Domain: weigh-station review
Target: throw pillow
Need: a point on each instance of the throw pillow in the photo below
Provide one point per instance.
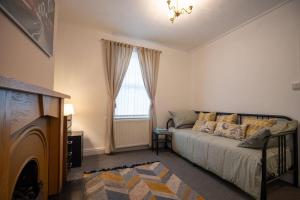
(283, 125)
(183, 118)
(198, 124)
(256, 124)
(207, 116)
(257, 140)
(205, 126)
(228, 118)
(233, 131)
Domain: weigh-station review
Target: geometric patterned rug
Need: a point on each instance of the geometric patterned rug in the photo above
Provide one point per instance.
(142, 182)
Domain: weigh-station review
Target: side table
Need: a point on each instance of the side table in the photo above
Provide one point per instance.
(161, 136)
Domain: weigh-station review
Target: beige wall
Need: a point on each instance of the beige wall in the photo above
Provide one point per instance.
(79, 71)
(21, 59)
(248, 70)
(252, 68)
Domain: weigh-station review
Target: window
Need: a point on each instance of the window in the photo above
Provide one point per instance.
(132, 100)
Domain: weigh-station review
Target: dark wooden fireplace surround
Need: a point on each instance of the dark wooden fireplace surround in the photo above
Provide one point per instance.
(31, 129)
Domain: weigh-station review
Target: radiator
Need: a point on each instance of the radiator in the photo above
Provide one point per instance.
(131, 132)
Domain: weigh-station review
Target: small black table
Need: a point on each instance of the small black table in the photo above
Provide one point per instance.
(75, 149)
(166, 139)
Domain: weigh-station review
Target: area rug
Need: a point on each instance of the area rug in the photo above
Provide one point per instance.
(152, 181)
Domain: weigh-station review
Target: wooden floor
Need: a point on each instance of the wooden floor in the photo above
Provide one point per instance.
(205, 183)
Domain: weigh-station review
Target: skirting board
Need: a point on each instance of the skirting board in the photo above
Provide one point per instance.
(133, 148)
(93, 151)
(100, 150)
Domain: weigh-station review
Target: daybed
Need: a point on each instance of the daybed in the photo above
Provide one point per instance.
(249, 169)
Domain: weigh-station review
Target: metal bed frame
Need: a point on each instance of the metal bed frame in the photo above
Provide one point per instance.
(281, 144)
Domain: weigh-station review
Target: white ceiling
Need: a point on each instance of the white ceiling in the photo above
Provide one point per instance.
(148, 19)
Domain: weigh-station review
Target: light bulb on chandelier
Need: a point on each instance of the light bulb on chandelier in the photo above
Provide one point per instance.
(179, 7)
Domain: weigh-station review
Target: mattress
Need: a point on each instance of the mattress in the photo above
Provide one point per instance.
(222, 156)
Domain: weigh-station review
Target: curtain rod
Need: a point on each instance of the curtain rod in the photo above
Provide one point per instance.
(102, 39)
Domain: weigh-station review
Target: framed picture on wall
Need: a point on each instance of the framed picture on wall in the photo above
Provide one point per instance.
(35, 18)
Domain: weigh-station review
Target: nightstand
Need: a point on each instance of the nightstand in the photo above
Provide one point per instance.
(161, 136)
(75, 149)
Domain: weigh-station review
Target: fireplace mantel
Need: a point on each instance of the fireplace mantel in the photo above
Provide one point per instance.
(12, 84)
(31, 128)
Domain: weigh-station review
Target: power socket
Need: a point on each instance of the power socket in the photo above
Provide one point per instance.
(296, 85)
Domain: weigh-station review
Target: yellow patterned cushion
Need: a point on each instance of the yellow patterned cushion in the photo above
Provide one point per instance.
(205, 126)
(233, 131)
(227, 118)
(207, 116)
(254, 125)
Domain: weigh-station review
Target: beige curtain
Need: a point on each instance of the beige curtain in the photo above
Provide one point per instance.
(149, 61)
(117, 57)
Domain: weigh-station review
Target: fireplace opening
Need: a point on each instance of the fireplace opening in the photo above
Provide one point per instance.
(27, 186)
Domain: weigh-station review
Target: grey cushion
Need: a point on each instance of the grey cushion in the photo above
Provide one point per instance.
(181, 118)
(257, 140)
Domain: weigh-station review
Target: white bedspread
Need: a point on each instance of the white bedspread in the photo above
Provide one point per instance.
(222, 156)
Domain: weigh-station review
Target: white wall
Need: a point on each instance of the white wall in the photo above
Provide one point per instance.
(21, 59)
(248, 70)
(251, 69)
(79, 72)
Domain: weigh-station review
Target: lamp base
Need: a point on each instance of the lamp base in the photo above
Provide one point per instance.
(68, 123)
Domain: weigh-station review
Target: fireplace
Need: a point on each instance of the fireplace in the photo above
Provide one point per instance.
(31, 135)
(29, 160)
(28, 185)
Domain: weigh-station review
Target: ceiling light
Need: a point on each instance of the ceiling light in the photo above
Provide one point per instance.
(179, 7)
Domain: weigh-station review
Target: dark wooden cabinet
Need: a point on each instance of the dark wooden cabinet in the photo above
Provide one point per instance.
(75, 149)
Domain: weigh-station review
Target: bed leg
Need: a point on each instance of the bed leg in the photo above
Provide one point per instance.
(263, 191)
(296, 178)
(296, 170)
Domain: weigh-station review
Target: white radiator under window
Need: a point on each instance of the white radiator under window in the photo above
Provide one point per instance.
(131, 132)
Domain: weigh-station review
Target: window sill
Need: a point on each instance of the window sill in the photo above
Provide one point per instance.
(133, 118)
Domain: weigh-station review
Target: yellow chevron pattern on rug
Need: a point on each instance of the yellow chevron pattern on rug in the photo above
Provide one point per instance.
(145, 182)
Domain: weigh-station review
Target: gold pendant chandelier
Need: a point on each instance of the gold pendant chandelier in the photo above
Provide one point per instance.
(179, 7)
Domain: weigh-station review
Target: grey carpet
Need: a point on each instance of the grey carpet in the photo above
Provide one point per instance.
(205, 183)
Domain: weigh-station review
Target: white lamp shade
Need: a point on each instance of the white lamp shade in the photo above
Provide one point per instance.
(68, 109)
